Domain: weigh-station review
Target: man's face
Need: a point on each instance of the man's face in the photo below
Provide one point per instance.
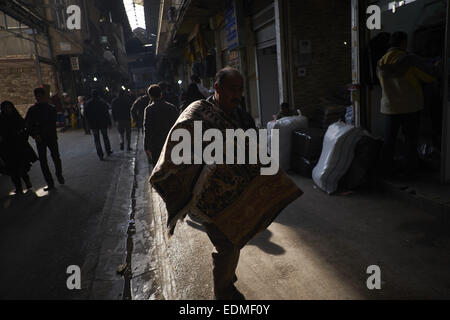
(229, 94)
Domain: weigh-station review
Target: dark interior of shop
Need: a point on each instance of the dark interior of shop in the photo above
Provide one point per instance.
(424, 22)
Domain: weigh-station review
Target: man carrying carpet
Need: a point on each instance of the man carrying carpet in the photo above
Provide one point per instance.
(233, 201)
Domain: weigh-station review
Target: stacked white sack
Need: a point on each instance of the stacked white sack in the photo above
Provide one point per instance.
(286, 127)
(337, 155)
(270, 126)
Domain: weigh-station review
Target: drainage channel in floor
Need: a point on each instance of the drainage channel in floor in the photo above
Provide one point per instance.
(127, 272)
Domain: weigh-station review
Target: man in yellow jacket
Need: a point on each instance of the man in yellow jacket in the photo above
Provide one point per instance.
(401, 76)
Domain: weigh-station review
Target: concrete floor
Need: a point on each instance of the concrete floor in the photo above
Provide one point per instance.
(319, 248)
(41, 234)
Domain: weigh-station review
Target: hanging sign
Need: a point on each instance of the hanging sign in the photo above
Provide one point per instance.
(231, 26)
(74, 63)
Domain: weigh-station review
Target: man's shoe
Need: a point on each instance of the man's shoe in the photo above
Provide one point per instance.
(110, 153)
(237, 295)
(49, 188)
(231, 294)
(61, 180)
(121, 146)
(129, 149)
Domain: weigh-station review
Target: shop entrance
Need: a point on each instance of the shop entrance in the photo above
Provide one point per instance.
(445, 149)
(266, 62)
(268, 83)
(425, 23)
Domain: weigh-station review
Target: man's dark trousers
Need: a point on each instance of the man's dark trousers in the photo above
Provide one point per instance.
(86, 128)
(124, 128)
(52, 145)
(225, 262)
(409, 122)
(98, 145)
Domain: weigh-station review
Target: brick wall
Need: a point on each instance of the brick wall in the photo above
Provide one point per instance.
(327, 24)
(17, 84)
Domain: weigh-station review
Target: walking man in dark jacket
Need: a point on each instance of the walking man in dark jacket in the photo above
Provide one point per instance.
(121, 111)
(41, 123)
(159, 118)
(97, 115)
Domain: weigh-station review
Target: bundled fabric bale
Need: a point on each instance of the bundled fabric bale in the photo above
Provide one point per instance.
(306, 149)
(286, 127)
(337, 155)
(270, 126)
(361, 171)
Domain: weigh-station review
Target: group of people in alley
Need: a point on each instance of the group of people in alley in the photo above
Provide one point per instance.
(232, 201)
(16, 152)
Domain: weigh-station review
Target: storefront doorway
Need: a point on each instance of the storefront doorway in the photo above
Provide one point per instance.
(266, 62)
(268, 83)
(445, 147)
(425, 22)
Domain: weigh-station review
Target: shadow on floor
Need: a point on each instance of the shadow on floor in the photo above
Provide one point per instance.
(262, 241)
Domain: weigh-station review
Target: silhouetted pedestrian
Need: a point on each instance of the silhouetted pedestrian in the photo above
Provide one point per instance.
(196, 79)
(401, 75)
(121, 111)
(97, 115)
(137, 110)
(41, 124)
(81, 107)
(15, 150)
(159, 118)
(192, 94)
(56, 101)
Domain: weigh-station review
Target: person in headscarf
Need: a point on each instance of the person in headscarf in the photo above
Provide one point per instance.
(15, 150)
